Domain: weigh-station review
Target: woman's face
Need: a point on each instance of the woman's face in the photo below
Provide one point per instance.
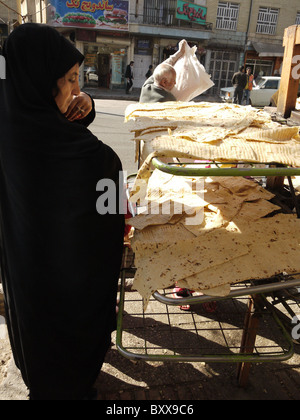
(68, 87)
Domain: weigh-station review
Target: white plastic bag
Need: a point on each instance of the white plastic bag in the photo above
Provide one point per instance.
(192, 79)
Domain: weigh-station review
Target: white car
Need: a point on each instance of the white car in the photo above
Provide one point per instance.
(91, 74)
(261, 94)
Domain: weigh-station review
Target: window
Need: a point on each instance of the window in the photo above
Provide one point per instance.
(227, 15)
(267, 20)
(298, 19)
(159, 12)
(272, 84)
(260, 67)
(222, 68)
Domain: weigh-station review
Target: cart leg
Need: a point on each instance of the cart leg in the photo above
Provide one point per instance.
(248, 341)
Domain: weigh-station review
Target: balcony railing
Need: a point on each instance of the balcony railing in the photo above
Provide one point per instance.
(168, 20)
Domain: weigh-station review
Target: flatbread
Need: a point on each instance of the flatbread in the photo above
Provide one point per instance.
(217, 114)
(278, 135)
(241, 187)
(263, 261)
(185, 258)
(231, 150)
(224, 132)
(240, 236)
(218, 258)
(256, 210)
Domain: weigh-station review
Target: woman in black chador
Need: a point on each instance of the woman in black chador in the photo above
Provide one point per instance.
(60, 258)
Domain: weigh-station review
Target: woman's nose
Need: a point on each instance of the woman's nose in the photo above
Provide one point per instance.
(76, 91)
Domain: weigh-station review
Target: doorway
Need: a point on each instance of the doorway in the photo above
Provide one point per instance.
(141, 66)
(104, 70)
(223, 65)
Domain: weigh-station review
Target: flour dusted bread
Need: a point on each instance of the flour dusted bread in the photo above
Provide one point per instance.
(228, 229)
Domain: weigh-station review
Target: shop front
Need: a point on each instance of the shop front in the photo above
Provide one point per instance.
(221, 64)
(105, 60)
(153, 51)
(144, 57)
(265, 59)
(100, 30)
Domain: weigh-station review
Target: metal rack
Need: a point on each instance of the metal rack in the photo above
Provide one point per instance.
(232, 308)
(253, 309)
(197, 169)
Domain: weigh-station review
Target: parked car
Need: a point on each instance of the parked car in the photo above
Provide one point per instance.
(91, 74)
(261, 94)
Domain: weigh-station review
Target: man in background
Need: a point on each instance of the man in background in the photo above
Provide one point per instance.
(158, 87)
(249, 85)
(129, 76)
(149, 72)
(239, 82)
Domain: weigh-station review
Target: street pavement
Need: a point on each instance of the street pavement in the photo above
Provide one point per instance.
(130, 381)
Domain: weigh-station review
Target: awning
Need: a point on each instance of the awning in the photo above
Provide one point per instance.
(268, 50)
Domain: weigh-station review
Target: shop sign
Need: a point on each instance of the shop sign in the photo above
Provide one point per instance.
(191, 12)
(103, 14)
(144, 44)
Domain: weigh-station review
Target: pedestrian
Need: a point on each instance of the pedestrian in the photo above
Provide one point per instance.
(129, 76)
(239, 81)
(159, 90)
(60, 258)
(149, 72)
(249, 85)
(157, 87)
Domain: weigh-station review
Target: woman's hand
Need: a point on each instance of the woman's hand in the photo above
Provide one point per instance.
(80, 107)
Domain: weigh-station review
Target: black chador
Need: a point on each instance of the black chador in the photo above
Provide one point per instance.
(60, 258)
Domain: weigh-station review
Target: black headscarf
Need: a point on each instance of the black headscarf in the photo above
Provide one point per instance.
(36, 57)
(60, 258)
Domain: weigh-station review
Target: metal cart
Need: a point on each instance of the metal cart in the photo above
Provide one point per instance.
(254, 309)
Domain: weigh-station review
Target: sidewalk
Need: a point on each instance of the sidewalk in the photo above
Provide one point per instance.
(120, 94)
(116, 94)
(125, 380)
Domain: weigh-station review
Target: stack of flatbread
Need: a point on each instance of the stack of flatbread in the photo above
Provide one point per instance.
(207, 234)
(224, 132)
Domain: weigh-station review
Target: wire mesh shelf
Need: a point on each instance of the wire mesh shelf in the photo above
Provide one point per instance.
(166, 333)
(252, 324)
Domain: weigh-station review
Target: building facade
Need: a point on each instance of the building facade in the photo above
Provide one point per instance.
(111, 33)
(34, 10)
(100, 30)
(10, 17)
(229, 33)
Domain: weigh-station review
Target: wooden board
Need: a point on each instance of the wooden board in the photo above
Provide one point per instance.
(288, 89)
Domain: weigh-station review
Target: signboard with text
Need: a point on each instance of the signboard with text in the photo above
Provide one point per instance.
(105, 14)
(191, 12)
